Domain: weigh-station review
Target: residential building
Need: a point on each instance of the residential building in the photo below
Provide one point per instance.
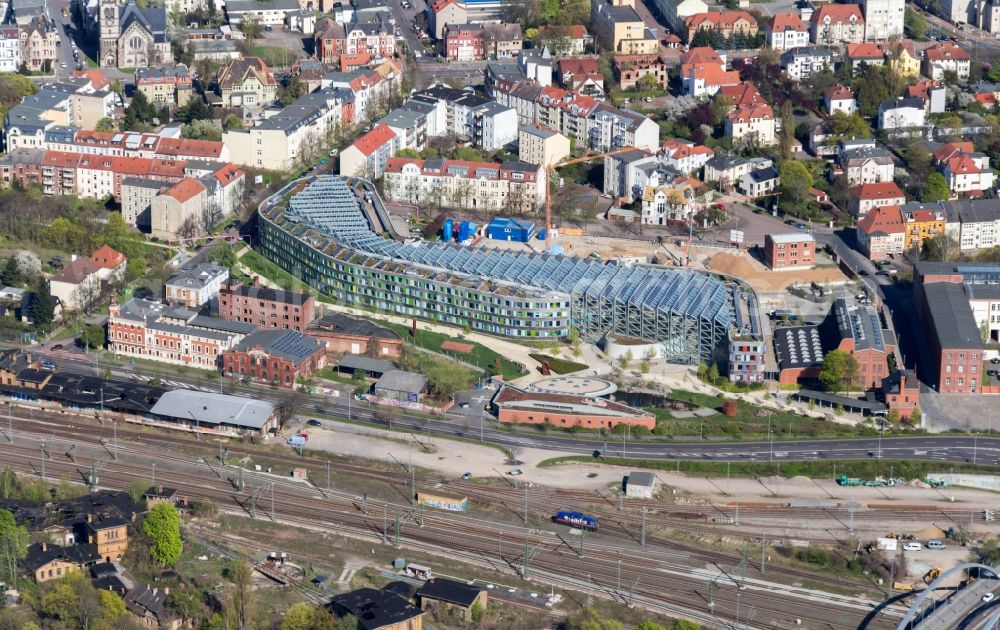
(516, 406)
(283, 358)
(946, 57)
(610, 128)
(564, 40)
(443, 12)
(833, 24)
(179, 336)
(329, 41)
(47, 562)
(699, 55)
(263, 12)
(685, 156)
(410, 123)
(618, 28)
(265, 307)
(502, 41)
(956, 11)
(195, 286)
(463, 42)
(706, 79)
(759, 183)
(676, 11)
(727, 170)
(865, 54)
(989, 15)
(973, 223)
(623, 174)
(375, 38)
(746, 360)
(80, 283)
(752, 125)
(793, 250)
(538, 145)
(580, 74)
(512, 186)
(38, 45)
(903, 58)
(494, 126)
(840, 99)
(902, 113)
(671, 202)
(932, 93)
(631, 69)
(868, 196)
(725, 23)
(366, 157)
(247, 83)
(177, 207)
(883, 19)
(342, 334)
(881, 232)
(901, 393)
(801, 63)
(923, 221)
(786, 31)
(10, 49)
(150, 606)
(865, 164)
(968, 174)
(169, 85)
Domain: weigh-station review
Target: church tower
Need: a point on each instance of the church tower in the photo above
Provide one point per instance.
(110, 31)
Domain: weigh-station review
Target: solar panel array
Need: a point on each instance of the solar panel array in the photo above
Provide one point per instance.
(329, 206)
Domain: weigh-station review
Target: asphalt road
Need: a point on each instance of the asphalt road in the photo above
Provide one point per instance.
(944, 449)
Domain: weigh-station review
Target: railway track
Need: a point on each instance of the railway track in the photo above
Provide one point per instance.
(655, 583)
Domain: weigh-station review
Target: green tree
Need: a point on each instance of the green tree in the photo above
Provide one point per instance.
(291, 90)
(848, 126)
(242, 604)
(408, 153)
(231, 122)
(163, 526)
(650, 625)
(93, 336)
(795, 181)
(347, 622)
(301, 616)
(42, 307)
(113, 606)
(994, 72)
(682, 624)
(13, 545)
(872, 87)
(201, 130)
(941, 248)
(223, 256)
(194, 109)
(11, 275)
(477, 613)
(105, 124)
(445, 379)
(839, 371)
(915, 24)
(936, 189)
(251, 30)
(574, 341)
(186, 603)
(713, 373)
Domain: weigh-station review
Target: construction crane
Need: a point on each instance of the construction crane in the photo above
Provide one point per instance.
(550, 171)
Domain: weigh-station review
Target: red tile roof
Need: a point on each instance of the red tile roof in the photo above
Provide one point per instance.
(679, 150)
(185, 189)
(884, 219)
(714, 75)
(921, 89)
(882, 190)
(946, 151)
(839, 93)
(371, 141)
(838, 14)
(578, 65)
(745, 114)
(573, 31)
(962, 164)
(718, 20)
(107, 257)
(96, 77)
(787, 22)
(204, 149)
(865, 51)
(742, 94)
(946, 51)
(61, 159)
(354, 61)
(228, 174)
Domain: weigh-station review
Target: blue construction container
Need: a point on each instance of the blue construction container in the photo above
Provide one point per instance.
(447, 230)
(505, 229)
(466, 230)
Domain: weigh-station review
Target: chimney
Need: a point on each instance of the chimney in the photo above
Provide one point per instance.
(72, 258)
(45, 546)
(902, 381)
(256, 281)
(155, 591)
(132, 518)
(159, 489)
(166, 590)
(90, 518)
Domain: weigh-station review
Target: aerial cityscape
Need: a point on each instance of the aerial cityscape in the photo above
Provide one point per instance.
(499, 314)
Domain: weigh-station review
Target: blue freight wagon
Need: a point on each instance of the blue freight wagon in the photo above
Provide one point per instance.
(505, 229)
(576, 519)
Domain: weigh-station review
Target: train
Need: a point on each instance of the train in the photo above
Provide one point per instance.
(576, 519)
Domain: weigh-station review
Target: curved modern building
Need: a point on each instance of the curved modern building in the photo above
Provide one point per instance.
(317, 230)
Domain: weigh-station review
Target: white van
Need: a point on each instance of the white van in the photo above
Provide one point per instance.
(912, 546)
(935, 544)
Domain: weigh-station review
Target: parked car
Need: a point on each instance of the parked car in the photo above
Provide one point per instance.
(514, 472)
(912, 546)
(467, 476)
(988, 597)
(935, 544)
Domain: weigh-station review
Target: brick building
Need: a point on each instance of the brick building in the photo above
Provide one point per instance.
(517, 406)
(954, 340)
(347, 335)
(278, 357)
(795, 250)
(265, 307)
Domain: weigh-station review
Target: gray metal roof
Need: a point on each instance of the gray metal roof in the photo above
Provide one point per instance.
(357, 362)
(951, 316)
(400, 381)
(197, 276)
(644, 479)
(290, 345)
(210, 408)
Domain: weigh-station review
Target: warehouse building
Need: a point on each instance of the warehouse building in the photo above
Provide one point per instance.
(325, 238)
(518, 406)
(207, 410)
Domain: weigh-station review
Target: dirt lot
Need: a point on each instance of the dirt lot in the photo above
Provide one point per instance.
(764, 281)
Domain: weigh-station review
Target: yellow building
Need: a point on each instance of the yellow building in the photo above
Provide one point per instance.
(540, 145)
(904, 60)
(921, 223)
(51, 562)
(618, 27)
(109, 536)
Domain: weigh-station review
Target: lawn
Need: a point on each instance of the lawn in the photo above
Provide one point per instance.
(260, 265)
(275, 56)
(480, 355)
(559, 366)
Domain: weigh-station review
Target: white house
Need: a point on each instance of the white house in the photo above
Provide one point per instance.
(759, 183)
(883, 19)
(802, 63)
(367, 156)
(786, 31)
(685, 156)
(840, 99)
(902, 113)
(79, 284)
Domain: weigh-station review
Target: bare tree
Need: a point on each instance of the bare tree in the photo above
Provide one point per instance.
(211, 214)
(87, 293)
(242, 603)
(188, 228)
